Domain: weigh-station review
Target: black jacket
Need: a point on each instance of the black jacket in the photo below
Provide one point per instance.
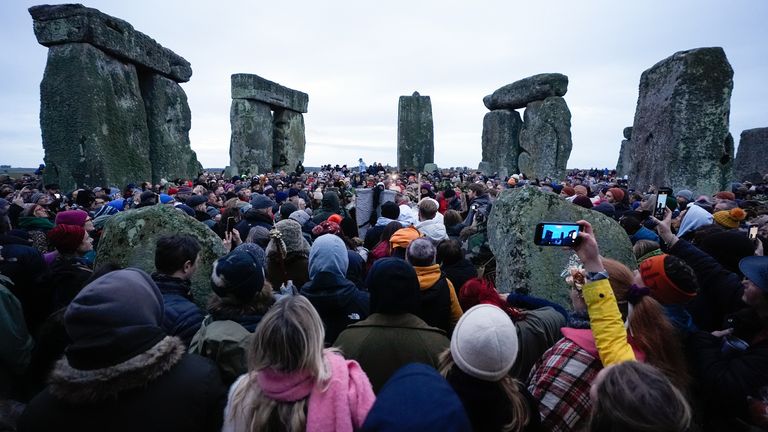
(459, 272)
(338, 302)
(182, 316)
(163, 389)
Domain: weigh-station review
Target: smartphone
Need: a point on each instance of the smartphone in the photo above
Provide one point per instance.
(753, 232)
(556, 234)
(661, 205)
(230, 224)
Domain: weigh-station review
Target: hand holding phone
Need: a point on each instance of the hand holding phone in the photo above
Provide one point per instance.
(230, 224)
(661, 205)
(753, 232)
(564, 234)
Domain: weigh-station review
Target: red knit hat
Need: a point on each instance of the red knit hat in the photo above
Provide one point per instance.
(335, 218)
(66, 238)
(618, 193)
(725, 195)
(662, 288)
(71, 217)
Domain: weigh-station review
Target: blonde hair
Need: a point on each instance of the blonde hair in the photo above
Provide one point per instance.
(288, 339)
(508, 385)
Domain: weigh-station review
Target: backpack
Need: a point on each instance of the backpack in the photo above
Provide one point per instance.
(226, 343)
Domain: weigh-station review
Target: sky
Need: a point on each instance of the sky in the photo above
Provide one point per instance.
(356, 58)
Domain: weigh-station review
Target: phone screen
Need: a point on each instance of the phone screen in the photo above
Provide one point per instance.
(753, 231)
(230, 224)
(556, 234)
(661, 205)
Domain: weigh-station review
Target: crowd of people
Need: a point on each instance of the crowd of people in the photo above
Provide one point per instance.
(323, 318)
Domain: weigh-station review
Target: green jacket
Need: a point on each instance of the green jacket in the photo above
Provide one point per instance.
(15, 343)
(383, 343)
(537, 333)
(226, 343)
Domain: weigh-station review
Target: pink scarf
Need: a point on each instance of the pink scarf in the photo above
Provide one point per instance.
(341, 406)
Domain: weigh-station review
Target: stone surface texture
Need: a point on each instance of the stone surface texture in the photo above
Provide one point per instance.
(250, 149)
(129, 240)
(364, 206)
(501, 140)
(75, 23)
(624, 153)
(289, 140)
(520, 93)
(250, 86)
(430, 167)
(415, 132)
(752, 157)
(680, 134)
(522, 264)
(92, 119)
(168, 122)
(545, 139)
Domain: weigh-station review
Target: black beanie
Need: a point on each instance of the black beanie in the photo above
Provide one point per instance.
(394, 287)
(390, 210)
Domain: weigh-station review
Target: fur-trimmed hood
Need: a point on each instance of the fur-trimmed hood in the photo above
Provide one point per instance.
(87, 386)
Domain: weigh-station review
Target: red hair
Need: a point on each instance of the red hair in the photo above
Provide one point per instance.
(482, 291)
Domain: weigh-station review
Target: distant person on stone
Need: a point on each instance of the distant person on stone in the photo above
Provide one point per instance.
(393, 335)
(439, 304)
(429, 224)
(362, 167)
(176, 261)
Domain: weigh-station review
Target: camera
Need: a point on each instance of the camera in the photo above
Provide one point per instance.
(563, 234)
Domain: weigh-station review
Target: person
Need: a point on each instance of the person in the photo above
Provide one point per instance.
(382, 248)
(259, 214)
(636, 397)
(241, 297)
(287, 255)
(330, 205)
(479, 204)
(199, 203)
(69, 271)
(176, 261)
(122, 372)
(439, 304)
(299, 169)
(293, 383)
(483, 349)
(338, 301)
(389, 212)
(417, 398)
(429, 224)
(393, 335)
(36, 222)
(457, 269)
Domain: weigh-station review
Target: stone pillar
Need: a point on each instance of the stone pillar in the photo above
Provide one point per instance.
(545, 139)
(92, 119)
(289, 139)
(501, 140)
(415, 134)
(680, 135)
(250, 148)
(752, 159)
(625, 155)
(169, 121)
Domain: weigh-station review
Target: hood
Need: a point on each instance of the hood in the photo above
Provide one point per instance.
(329, 292)
(695, 217)
(328, 254)
(330, 201)
(428, 275)
(88, 386)
(432, 229)
(433, 405)
(383, 221)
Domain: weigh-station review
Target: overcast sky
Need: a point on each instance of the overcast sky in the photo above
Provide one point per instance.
(355, 58)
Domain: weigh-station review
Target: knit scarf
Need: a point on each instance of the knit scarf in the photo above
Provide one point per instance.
(341, 404)
(35, 223)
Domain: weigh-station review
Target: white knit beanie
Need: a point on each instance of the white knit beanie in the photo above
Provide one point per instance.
(484, 343)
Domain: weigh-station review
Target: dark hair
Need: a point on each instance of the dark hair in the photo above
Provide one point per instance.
(681, 274)
(631, 224)
(171, 252)
(349, 228)
(477, 188)
(389, 230)
(375, 204)
(451, 218)
(449, 252)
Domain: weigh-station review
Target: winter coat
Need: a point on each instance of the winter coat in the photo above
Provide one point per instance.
(295, 267)
(337, 300)
(439, 304)
(252, 219)
(432, 229)
(537, 333)
(383, 343)
(162, 389)
(182, 316)
(24, 265)
(330, 205)
(15, 342)
(67, 277)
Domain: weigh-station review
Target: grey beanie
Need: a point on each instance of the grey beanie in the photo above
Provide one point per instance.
(685, 193)
(484, 343)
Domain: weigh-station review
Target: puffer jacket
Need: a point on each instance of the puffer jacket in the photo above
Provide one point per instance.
(182, 316)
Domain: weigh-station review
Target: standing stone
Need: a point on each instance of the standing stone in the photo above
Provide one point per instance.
(520, 93)
(92, 119)
(254, 87)
(168, 121)
(680, 135)
(485, 167)
(545, 139)
(520, 264)
(415, 135)
(250, 149)
(752, 158)
(289, 140)
(501, 140)
(430, 168)
(624, 153)
(129, 239)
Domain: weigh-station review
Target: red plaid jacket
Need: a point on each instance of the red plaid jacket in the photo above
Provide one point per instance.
(560, 381)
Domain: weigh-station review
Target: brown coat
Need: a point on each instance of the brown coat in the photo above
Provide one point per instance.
(295, 267)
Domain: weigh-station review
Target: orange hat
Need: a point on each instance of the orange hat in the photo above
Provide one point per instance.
(662, 288)
(403, 237)
(730, 218)
(335, 218)
(725, 195)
